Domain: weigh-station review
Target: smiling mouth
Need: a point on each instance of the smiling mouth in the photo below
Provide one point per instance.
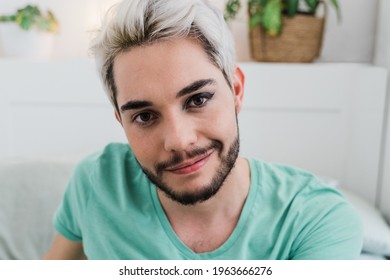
(191, 166)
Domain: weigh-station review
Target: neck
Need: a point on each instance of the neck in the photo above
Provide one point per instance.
(228, 202)
(205, 226)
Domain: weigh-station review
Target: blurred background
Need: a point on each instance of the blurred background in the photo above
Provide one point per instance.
(358, 37)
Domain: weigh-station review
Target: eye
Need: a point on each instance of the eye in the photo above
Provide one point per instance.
(198, 100)
(144, 118)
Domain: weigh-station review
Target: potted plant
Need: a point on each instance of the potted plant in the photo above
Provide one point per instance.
(283, 30)
(27, 33)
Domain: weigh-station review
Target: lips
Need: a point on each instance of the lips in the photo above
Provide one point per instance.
(191, 166)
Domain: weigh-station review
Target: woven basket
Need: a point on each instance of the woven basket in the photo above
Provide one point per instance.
(300, 40)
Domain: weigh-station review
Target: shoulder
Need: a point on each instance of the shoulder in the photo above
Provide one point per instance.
(287, 179)
(99, 178)
(296, 186)
(107, 165)
(110, 157)
(110, 153)
(324, 223)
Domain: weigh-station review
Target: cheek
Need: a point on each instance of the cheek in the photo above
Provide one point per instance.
(224, 122)
(228, 133)
(143, 146)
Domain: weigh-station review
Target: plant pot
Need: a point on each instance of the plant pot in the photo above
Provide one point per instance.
(16, 42)
(300, 40)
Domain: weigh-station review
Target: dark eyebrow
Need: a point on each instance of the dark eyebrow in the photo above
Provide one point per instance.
(195, 86)
(134, 105)
(138, 104)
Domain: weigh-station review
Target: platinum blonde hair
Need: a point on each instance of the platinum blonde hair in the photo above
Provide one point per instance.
(134, 23)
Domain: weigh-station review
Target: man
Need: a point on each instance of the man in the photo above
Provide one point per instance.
(179, 190)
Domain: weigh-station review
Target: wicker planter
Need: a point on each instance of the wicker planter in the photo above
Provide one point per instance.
(300, 41)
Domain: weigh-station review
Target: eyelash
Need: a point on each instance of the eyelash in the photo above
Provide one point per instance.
(206, 96)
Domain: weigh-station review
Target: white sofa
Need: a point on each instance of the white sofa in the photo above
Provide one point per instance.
(30, 192)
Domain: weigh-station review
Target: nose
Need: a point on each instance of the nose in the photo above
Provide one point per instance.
(179, 134)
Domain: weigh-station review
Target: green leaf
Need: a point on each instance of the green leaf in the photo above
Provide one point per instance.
(232, 7)
(292, 7)
(337, 7)
(24, 22)
(312, 5)
(263, 2)
(272, 17)
(26, 17)
(336, 4)
(254, 6)
(10, 18)
(30, 16)
(255, 20)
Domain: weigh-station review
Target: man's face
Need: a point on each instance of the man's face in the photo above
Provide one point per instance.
(179, 116)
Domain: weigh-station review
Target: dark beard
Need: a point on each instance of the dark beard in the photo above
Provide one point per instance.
(191, 198)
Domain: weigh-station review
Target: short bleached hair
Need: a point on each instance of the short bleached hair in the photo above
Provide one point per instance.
(133, 23)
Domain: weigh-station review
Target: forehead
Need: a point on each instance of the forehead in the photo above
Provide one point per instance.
(161, 68)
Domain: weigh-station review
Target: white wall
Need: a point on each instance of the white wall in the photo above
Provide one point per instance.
(382, 58)
(352, 40)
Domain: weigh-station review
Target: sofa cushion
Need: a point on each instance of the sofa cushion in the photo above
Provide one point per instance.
(30, 192)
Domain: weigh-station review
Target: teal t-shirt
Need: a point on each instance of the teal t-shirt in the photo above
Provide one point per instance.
(113, 208)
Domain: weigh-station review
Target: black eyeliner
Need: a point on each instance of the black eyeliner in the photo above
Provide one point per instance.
(207, 95)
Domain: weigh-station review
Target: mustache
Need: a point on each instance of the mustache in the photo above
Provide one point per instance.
(178, 157)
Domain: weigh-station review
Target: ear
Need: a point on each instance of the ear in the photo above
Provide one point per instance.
(238, 88)
(118, 118)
